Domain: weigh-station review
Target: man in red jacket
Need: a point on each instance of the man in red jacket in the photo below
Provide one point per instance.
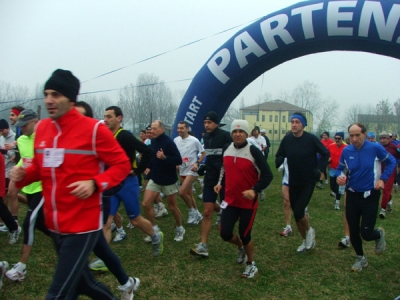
(70, 154)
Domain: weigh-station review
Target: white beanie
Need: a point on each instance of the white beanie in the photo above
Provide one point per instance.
(240, 124)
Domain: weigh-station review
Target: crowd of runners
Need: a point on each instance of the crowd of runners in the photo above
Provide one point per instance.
(41, 166)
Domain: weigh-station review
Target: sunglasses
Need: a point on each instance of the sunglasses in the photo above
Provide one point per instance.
(338, 139)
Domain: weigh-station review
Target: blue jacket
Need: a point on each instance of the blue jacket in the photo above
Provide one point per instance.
(163, 172)
(364, 165)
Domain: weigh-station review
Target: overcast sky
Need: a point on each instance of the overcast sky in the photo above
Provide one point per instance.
(92, 37)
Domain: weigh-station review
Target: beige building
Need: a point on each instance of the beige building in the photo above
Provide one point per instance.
(274, 117)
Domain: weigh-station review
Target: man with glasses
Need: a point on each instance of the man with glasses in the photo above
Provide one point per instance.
(335, 151)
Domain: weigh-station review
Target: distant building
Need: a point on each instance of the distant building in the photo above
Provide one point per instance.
(274, 117)
(379, 123)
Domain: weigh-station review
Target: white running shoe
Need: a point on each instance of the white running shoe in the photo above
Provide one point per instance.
(120, 236)
(14, 236)
(241, 256)
(4, 228)
(198, 217)
(250, 270)
(344, 243)
(201, 249)
(192, 217)
(218, 220)
(147, 239)
(130, 226)
(326, 181)
(17, 273)
(113, 226)
(361, 262)
(310, 238)
(201, 196)
(390, 206)
(332, 194)
(128, 293)
(286, 231)
(162, 211)
(382, 214)
(179, 235)
(3, 269)
(302, 247)
(337, 205)
(380, 244)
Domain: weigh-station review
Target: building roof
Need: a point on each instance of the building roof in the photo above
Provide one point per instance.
(274, 105)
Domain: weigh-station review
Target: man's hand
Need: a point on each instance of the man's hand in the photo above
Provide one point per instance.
(17, 173)
(160, 154)
(147, 171)
(217, 188)
(82, 189)
(380, 184)
(341, 180)
(9, 146)
(249, 194)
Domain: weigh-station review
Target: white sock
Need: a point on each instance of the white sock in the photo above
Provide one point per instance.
(121, 229)
(288, 226)
(180, 228)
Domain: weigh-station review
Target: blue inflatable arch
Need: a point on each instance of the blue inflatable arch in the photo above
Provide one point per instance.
(304, 28)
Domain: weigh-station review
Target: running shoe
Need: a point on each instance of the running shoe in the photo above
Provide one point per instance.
(3, 269)
(344, 243)
(361, 262)
(286, 231)
(380, 244)
(98, 265)
(120, 236)
(14, 236)
(158, 247)
(130, 226)
(162, 211)
(191, 217)
(390, 206)
(128, 293)
(241, 256)
(302, 247)
(200, 250)
(319, 185)
(218, 220)
(179, 235)
(337, 205)
(310, 238)
(250, 270)
(382, 214)
(198, 217)
(17, 273)
(4, 228)
(147, 239)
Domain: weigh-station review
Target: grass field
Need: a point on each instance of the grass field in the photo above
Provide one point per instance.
(322, 273)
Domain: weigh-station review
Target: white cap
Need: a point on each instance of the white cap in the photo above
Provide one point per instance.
(263, 130)
(240, 124)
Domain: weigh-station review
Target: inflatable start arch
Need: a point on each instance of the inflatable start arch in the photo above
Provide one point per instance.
(304, 28)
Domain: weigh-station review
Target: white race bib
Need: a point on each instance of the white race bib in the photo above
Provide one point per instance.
(53, 158)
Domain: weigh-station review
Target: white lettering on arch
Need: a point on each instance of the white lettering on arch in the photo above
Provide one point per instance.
(306, 13)
(251, 47)
(385, 28)
(334, 16)
(269, 33)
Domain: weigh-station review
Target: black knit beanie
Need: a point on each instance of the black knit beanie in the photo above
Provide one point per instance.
(212, 116)
(64, 82)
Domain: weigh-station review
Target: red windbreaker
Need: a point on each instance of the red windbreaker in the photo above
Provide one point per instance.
(84, 146)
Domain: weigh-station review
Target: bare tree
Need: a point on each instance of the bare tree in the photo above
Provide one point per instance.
(231, 114)
(327, 116)
(266, 97)
(307, 96)
(396, 105)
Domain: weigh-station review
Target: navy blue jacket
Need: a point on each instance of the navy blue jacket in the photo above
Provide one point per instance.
(163, 172)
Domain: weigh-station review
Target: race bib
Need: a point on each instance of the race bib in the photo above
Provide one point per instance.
(53, 158)
(185, 162)
(224, 204)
